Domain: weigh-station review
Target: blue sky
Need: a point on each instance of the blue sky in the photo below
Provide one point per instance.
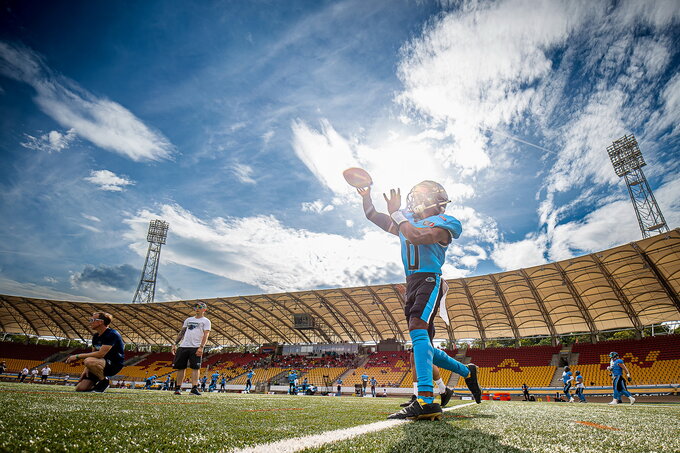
(233, 121)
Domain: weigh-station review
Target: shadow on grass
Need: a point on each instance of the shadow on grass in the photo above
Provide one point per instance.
(447, 437)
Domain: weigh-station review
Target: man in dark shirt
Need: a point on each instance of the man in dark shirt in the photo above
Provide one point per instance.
(106, 358)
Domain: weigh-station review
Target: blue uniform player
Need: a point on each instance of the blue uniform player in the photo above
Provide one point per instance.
(578, 378)
(249, 381)
(364, 384)
(425, 233)
(339, 386)
(567, 377)
(292, 377)
(373, 382)
(616, 368)
(213, 381)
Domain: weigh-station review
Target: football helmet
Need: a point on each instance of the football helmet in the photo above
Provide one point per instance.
(426, 195)
(613, 354)
(566, 368)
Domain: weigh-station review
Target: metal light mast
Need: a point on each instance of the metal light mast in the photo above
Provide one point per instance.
(158, 232)
(627, 160)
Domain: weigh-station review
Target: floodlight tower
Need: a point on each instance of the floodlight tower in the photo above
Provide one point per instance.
(627, 160)
(158, 232)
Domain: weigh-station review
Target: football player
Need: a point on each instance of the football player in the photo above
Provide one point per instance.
(579, 386)
(425, 233)
(617, 367)
(567, 378)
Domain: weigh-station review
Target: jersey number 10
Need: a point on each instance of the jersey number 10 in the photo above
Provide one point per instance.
(412, 257)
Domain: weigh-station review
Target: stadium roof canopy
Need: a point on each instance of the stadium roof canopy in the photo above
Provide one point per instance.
(630, 286)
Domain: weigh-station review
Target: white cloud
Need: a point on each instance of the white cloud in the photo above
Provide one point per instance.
(516, 255)
(53, 141)
(262, 252)
(91, 217)
(28, 289)
(105, 123)
(107, 180)
(326, 154)
(476, 69)
(243, 173)
(316, 206)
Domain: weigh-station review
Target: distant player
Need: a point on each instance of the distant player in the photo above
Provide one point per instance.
(373, 384)
(204, 381)
(364, 384)
(149, 381)
(192, 339)
(567, 377)
(292, 377)
(213, 381)
(23, 375)
(339, 387)
(106, 358)
(223, 384)
(425, 233)
(249, 381)
(45, 373)
(579, 386)
(617, 367)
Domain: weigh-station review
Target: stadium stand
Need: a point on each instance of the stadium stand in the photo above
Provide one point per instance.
(511, 367)
(19, 355)
(651, 360)
(388, 368)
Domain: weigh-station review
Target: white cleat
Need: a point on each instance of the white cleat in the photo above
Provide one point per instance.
(614, 402)
(632, 400)
(571, 400)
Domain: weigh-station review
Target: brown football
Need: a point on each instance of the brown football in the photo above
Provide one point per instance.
(357, 177)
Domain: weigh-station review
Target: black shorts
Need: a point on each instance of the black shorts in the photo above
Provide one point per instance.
(184, 356)
(424, 292)
(110, 369)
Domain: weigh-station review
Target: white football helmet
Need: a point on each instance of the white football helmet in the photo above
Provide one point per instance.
(426, 195)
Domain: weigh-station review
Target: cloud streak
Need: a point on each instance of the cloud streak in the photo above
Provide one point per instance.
(103, 122)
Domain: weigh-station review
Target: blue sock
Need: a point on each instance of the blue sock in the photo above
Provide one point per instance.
(443, 360)
(422, 356)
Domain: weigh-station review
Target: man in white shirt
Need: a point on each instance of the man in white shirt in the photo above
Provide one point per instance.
(23, 375)
(44, 374)
(34, 374)
(192, 339)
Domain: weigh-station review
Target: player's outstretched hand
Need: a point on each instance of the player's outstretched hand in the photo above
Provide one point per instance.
(364, 191)
(394, 201)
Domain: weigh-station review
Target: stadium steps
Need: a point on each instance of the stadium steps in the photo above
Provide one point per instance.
(573, 359)
(555, 382)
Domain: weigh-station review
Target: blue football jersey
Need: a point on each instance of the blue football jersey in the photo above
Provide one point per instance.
(616, 367)
(427, 257)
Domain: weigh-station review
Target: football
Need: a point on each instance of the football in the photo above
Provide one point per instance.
(357, 177)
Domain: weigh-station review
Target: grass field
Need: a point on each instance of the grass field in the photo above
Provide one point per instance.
(50, 418)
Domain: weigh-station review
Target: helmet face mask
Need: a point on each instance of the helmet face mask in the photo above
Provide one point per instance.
(613, 354)
(425, 196)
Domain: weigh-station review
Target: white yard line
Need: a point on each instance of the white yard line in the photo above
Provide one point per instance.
(316, 440)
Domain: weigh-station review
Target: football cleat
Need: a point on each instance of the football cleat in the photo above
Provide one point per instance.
(571, 400)
(178, 392)
(194, 391)
(614, 402)
(473, 384)
(632, 400)
(101, 385)
(408, 403)
(418, 410)
(446, 396)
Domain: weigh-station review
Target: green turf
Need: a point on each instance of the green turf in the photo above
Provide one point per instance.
(51, 418)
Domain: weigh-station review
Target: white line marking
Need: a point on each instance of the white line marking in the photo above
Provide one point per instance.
(316, 440)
